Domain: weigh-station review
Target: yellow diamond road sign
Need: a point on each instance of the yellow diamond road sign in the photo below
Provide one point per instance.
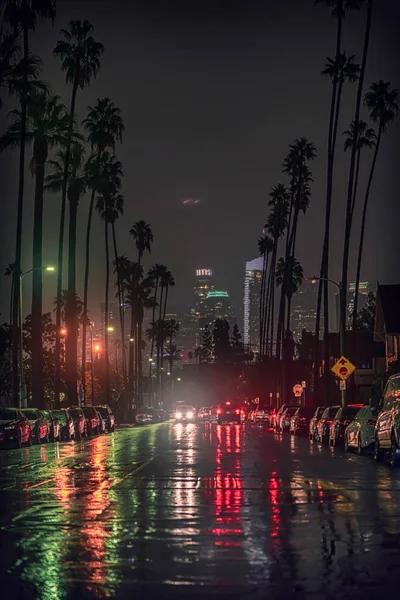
(343, 368)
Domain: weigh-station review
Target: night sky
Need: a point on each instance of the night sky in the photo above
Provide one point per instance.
(212, 94)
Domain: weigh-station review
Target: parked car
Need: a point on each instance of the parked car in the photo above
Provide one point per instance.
(66, 423)
(185, 412)
(146, 416)
(300, 421)
(387, 428)
(228, 412)
(324, 424)
(360, 433)
(343, 418)
(272, 417)
(15, 428)
(285, 417)
(79, 421)
(40, 430)
(92, 419)
(107, 417)
(262, 415)
(277, 416)
(54, 425)
(312, 431)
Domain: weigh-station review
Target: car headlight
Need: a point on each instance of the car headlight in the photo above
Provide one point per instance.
(189, 415)
(178, 415)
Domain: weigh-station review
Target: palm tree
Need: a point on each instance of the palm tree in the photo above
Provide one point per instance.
(22, 16)
(365, 139)
(167, 281)
(381, 102)
(9, 272)
(155, 273)
(46, 127)
(276, 225)
(297, 276)
(117, 211)
(77, 187)
(337, 73)
(9, 53)
(265, 247)
(80, 56)
(143, 237)
(174, 355)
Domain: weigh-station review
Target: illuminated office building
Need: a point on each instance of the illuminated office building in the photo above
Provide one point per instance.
(202, 287)
(251, 303)
(218, 305)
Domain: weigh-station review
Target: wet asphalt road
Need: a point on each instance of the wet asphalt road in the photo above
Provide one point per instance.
(189, 511)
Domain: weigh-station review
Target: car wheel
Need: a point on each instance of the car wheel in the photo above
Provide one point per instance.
(378, 452)
(394, 453)
(360, 449)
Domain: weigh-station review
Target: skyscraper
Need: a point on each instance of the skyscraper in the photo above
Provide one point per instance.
(363, 290)
(251, 303)
(203, 285)
(218, 305)
(304, 309)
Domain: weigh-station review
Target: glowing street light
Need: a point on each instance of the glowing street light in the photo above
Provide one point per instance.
(110, 329)
(178, 379)
(50, 268)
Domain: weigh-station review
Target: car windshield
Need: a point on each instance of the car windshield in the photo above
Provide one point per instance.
(30, 414)
(8, 414)
(332, 412)
(350, 411)
(103, 411)
(60, 415)
(89, 411)
(307, 412)
(75, 412)
(291, 410)
(46, 414)
(146, 411)
(184, 409)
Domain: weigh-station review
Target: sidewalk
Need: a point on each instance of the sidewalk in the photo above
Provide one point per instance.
(125, 425)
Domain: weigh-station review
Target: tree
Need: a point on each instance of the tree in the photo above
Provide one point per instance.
(48, 340)
(237, 344)
(5, 360)
(173, 354)
(366, 139)
(306, 346)
(172, 350)
(222, 346)
(365, 318)
(155, 273)
(77, 187)
(46, 126)
(23, 16)
(207, 345)
(292, 287)
(80, 56)
(276, 225)
(339, 8)
(381, 102)
(265, 247)
(9, 54)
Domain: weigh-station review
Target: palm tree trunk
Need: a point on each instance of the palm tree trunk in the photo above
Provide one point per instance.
(18, 238)
(356, 178)
(153, 322)
(362, 230)
(131, 355)
(37, 291)
(272, 297)
(60, 262)
(261, 310)
(350, 188)
(140, 365)
(164, 313)
(106, 312)
(121, 306)
(71, 316)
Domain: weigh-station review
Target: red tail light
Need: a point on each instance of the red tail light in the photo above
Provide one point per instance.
(371, 422)
(329, 420)
(228, 403)
(302, 419)
(218, 411)
(237, 411)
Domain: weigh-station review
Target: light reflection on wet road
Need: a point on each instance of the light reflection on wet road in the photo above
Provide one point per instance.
(191, 510)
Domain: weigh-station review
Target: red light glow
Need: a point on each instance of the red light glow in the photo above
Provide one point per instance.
(228, 403)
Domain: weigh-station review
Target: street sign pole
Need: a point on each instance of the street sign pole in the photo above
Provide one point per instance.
(342, 304)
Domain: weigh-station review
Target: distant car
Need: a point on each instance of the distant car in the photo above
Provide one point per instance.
(15, 428)
(343, 418)
(40, 430)
(54, 425)
(300, 421)
(204, 413)
(229, 412)
(185, 412)
(146, 416)
(66, 423)
(312, 431)
(360, 433)
(324, 424)
(79, 421)
(107, 417)
(262, 415)
(284, 419)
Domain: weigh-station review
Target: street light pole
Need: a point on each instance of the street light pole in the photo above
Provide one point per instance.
(342, 329)
(91, 363)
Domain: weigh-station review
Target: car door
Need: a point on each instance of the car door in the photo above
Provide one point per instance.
(384, 425)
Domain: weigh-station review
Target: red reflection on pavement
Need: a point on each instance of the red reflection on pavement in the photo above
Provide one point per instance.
(273, 490)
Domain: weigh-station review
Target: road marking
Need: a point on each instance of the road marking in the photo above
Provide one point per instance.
(35, 485)
(135, 471)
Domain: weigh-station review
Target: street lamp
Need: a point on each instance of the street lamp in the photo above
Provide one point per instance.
(22, 396)
(341, 321)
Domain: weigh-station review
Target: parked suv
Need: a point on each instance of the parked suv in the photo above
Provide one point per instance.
(387, 429)
(342, 420)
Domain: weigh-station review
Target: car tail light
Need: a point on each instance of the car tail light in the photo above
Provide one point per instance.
(228, 403)
(218, 411)
(237, 411)
(329, 420)
(302, 419)
(371, 422)
(242, 411)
